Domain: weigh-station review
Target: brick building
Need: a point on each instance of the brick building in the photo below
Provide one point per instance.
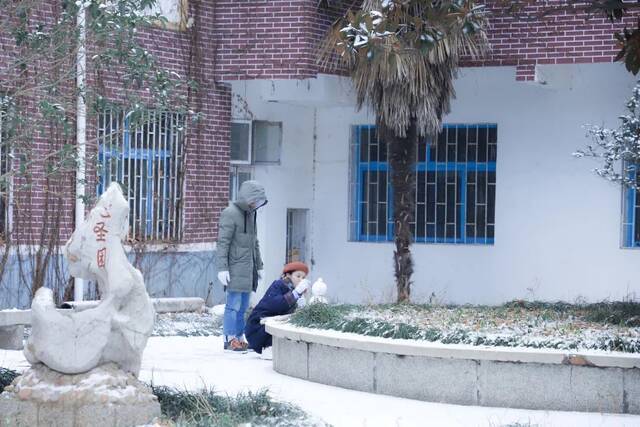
(503, 166)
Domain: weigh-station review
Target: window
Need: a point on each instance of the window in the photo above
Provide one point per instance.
(267, 139)
(296, 235)
(252, 142)
(4, 167)
(238, 175)
(146, 158)
(455, 186)
(241, 142)
(631, 211)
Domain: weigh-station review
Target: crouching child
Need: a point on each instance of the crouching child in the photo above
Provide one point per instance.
(282, 297)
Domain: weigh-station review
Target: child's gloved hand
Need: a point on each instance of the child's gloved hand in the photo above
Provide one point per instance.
(301, 302)
(302, 287)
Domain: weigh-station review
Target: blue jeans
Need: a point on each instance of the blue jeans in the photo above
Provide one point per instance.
(233, 321)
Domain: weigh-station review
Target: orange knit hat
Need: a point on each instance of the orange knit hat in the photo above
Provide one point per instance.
(295, 266)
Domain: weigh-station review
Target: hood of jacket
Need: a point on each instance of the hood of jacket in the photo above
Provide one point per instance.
(251, 192)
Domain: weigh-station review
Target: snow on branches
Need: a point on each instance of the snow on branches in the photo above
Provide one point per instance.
(619, 149)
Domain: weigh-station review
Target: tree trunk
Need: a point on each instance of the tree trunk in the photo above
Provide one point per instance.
(402, 160)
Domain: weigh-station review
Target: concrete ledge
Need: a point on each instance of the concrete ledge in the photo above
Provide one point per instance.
(12, 322)
(15, 317)
(546, 379)
(11, 337)
(161, 305)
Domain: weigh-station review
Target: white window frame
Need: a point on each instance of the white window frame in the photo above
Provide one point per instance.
(233, 177)
(249, 160)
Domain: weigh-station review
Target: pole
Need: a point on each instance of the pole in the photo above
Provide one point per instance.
(81, 137)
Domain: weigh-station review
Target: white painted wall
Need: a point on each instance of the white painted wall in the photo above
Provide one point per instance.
(288, 185)
(557, 224)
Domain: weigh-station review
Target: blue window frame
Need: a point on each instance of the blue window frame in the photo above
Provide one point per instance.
(455, 186)
(146, 159)
(631, 210)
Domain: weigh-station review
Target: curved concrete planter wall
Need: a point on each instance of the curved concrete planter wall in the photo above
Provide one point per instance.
(460, 374)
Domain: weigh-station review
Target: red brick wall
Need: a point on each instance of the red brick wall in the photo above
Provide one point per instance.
(43, 204)
(563, 38)
(279, 38)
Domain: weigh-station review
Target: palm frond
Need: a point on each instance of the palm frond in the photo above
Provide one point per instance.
(403, 56)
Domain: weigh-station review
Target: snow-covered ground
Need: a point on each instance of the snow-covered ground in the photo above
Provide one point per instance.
(194, 362)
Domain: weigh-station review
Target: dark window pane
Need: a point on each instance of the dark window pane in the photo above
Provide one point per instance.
(481, 188)
(472, 135)
(481, 222)
(451, 152)
(462, 144)
(451, 231)
(441, 154)
(493, 134)
(431, 230)
(421, 220)
(420, 187)
(440, 187)
(471, 231)
(471, 204)
(482, 144)
(472, 151)
(493, 152)
(490, 231)
(440, 220)
(491, 205)
(364, 144)
(422, 150)
(373, 152)
(451, 203)
(382, 219)
(431, 203)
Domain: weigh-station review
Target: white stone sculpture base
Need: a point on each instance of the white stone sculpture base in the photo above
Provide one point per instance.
(104, 396)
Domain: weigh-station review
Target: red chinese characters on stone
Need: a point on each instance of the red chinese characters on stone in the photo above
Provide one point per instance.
(100, 231)
(101, 257)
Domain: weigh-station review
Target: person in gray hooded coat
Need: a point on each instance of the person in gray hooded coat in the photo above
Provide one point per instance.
(238, 260)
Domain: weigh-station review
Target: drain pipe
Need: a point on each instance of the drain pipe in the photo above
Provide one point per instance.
(81, 137)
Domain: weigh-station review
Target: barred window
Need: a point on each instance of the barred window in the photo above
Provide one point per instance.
(146, 158)
(455, 186)
(631, 210)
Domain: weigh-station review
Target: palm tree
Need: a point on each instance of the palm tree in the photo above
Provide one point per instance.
(402, 56)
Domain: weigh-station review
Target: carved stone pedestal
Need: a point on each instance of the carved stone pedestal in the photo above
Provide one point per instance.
(104, 396)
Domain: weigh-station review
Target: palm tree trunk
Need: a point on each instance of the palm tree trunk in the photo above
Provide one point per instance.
(402, 159)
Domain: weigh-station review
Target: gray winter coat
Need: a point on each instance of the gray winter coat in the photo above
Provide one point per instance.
(237, 249)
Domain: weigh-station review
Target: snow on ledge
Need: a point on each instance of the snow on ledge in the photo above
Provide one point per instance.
(278, 327)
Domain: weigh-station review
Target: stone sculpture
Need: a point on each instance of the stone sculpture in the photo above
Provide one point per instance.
(117, 329)
(85, 364)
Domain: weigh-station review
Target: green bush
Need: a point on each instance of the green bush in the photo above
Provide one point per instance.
(6, 377)
(208, 408)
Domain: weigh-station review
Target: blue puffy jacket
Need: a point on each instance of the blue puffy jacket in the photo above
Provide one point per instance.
(279, 299)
